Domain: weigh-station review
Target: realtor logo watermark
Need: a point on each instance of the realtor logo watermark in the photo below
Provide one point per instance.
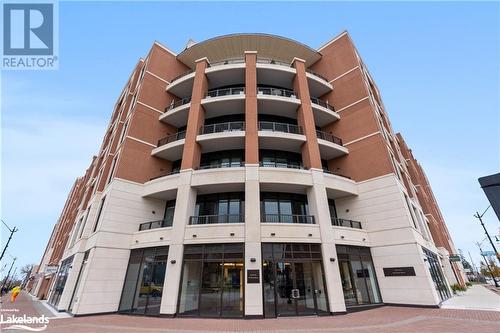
(30, 35)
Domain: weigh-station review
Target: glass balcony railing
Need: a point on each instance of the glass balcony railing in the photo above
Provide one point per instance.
(155, 224)
(225, 92)
(213, 219)
(172, 138)
(322, 103)
(285, 218)
(276, 92)
(223, 127)
(279, 127)
(177, 103)
(287, 165)
(328, 137)
(346, 223)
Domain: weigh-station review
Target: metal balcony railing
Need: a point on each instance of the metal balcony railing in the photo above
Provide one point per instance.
(346, 223)
(155, 224)
(218, 165)
(322, 103)
(223, 127)
(165, 173)
(328, 137)
(318, 75)
(172, 138)
(285, 218)
(274, 164)
(273, 62)
(212, 219)
(336, 173)
(279, 127)
(276, 92)
(228, 62)
(178, 103)
(181, 75)
(225, 92)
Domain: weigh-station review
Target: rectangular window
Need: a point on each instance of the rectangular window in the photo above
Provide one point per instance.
(408, 205)
(124, 130)
(99, 214)
(85, 223)
(112, 170)
(75, 233)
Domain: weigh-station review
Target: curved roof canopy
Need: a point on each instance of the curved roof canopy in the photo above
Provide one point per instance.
(234, 46)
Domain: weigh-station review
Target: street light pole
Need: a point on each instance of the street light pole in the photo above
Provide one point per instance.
(12, 231)
(479, 217)
(487, 264)
(5, 280)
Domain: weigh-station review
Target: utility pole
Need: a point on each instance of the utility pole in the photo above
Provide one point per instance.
(12, 231)
(479, 217)
(474, 268)
(5, 280)
(487, 264)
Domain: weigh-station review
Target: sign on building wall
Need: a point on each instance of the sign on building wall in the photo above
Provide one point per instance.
(51, 269)
(455, 258)
(399, 271)
(253, 276)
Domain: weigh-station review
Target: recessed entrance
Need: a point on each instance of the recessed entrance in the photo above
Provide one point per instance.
(293, 280)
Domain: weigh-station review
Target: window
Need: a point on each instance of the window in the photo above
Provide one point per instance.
(99, 214)
(75, 233)
(219, 208)
(85, 223)
(408, 205)
(124, 130)
(280, 159)
(284, 208)
(222, 159)
(112, 170)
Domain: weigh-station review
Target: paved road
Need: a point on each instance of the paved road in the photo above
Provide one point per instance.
(380, 320)
(476, 297)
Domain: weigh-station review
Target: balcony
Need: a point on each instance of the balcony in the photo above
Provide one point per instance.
(177, 112)
(220, 102)
(318, 85)
(280, 136)
(324, 113)
(155, 224)
(222, 136)
(222, 165)
(285, 218)
(280, 102)
(164, 174)
(330, 146)
(226, 72)
(346, 223)
(216, 219)
(276, 73)
(182, 85)
(170, 147)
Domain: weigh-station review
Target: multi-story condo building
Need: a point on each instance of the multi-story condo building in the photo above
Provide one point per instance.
(249, 176)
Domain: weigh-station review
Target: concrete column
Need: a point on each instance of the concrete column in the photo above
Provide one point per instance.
(192, 150)
(253, 291)
(184, 208)
(318, 206)
(305, 117)
(251, 114)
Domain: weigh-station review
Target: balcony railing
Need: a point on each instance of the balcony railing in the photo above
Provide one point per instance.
(346, 223)
(213, 219)
(155, 224)
(181, 75)
(228, 62)
(223, 127)
(279, 127)
(172, 138)
(336, 173)
(322, 103)
(274, 164)
(277, 92)
(225, 92)
(282, 218)
(178, 103)
(318, 75)
(273, 62)
(165, 173)
(328, 137)
(236, 164)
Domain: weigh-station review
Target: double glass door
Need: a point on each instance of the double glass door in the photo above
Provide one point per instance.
(293, 286)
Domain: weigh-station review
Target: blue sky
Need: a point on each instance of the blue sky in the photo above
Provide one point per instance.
(436, 65)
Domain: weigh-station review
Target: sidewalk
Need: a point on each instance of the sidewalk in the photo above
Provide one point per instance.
(476, 297)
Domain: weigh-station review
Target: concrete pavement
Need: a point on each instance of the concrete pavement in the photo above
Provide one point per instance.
(476, 297)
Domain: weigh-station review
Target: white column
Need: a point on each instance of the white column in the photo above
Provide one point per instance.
(184, 208)
(253, 291)
(318, 206)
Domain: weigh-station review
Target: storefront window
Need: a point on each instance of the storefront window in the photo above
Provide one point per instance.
(357, 274)
(436, 274)
(62, 276)
(212, 281)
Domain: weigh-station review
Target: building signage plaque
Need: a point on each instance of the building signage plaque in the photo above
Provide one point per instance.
(253, 276)
(399, 271)
(455, 258)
